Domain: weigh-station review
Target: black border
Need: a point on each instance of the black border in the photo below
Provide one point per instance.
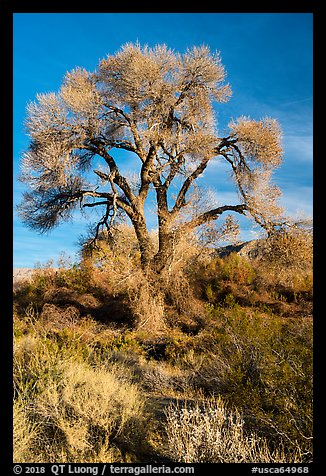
(232, 6)
(7, 10)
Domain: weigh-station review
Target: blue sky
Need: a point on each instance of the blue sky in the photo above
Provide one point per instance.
(268, 58)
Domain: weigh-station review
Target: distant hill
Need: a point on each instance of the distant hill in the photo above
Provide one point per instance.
(246, 249)
(20, 274)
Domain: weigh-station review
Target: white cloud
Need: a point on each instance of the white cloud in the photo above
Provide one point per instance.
(298, 201)
(218, 163)
(225, 197)
(298, 148)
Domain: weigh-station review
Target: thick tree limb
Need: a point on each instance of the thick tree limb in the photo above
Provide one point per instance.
(213, 215)
(145, 172)
(125, 145)
(114, 198)
(162, 202)
(95, 204)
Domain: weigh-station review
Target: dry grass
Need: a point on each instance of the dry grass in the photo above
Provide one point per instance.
(69, 410)
(210, 433)
(89, 407)
(25, 433)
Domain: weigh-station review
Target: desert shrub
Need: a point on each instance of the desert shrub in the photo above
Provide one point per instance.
(286, 261)
(45, 279)
(236, 269)
(77, 278)
(35, 364)
(263, 366)
(214, 278)
(161, 378)
(114, 259)
(81, 412)
(209, 432)
(40, 345)
(232, 267)
(25, 434)
(64, 333)
(90, 400)
(276, 268)
(290, 247)
(31, 292)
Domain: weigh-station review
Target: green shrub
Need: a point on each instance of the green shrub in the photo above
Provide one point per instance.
(263, 367)
(236, 269)
(218, 277)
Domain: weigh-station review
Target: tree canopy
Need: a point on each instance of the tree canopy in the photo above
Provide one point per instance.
(158, 106)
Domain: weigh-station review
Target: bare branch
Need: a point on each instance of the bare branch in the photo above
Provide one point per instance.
(118, 178)
(181, 198)
(95, 204)
(132, 125)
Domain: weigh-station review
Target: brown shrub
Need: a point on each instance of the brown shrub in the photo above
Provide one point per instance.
(286, 262)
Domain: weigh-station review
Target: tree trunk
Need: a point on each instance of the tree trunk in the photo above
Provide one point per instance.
(164, 256)
(149, 260)
(145, 243)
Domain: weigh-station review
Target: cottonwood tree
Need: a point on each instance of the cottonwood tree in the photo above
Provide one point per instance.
(156, 105)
